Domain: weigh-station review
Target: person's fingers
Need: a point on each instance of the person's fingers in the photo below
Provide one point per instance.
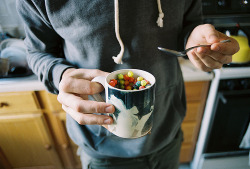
(198, 62)
(87, 74)
(80, 86)
(79, 81)
(84, 106)
(74, 88)
(208, 61)
(213, 57)
(88, 119)
(210, 33)
(228, 48)
(203, 35)
(221, 58)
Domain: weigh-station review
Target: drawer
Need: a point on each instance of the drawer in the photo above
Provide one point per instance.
(189, 132)
(18, 102)
(193, 111)
(196, 90)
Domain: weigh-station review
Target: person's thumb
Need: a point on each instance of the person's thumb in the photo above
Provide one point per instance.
(210, 33)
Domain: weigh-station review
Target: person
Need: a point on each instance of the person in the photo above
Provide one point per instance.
(69, 42)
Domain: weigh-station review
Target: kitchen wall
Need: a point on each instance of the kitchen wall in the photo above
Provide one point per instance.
(9, 20)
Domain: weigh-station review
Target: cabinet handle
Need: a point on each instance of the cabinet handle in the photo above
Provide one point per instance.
(2, 104)
(47, 146)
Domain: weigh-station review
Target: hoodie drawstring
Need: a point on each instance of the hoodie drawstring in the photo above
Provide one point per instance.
(118, 58)
(161, 15)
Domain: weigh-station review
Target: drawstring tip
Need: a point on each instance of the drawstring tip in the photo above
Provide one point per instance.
(117, 59)
(160, 20)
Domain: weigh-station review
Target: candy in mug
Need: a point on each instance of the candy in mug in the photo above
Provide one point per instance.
(129, 82)
(133, 116)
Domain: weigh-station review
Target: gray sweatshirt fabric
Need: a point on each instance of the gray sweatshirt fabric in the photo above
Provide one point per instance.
(81, 33)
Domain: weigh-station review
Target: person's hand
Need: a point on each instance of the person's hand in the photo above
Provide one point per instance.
(74, 88)
(213, 57)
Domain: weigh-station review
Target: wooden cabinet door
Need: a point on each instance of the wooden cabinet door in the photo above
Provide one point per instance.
(61, 116)
(196, 93)
(66, 147)
(4, 162)
(26, 142)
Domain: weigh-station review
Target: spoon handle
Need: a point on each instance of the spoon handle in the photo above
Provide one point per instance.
(223, 41)
(188, 49)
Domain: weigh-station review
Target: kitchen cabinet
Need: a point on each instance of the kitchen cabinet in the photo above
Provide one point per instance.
(196, 92)
(25, 137)
(4, 162)
(66, 147)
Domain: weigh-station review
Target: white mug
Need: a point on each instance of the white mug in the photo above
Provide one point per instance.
(133, 116)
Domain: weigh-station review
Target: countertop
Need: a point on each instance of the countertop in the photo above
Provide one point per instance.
(191, 73)
(31, 83)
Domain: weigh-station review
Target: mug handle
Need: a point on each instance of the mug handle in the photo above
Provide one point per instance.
(101, 80)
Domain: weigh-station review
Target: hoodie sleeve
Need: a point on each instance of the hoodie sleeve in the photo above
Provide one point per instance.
(44, 46)
(192, 18)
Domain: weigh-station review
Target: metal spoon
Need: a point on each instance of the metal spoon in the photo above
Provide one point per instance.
(184, 53)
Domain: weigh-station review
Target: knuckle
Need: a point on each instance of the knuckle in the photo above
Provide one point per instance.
(90, 120)
(89, 88)
(77, 107)
(96, 108)
(202, 57)
(64, 85)
(97, 71)
(98, 121)
(94, 88)
(208, 25)
(83, 119)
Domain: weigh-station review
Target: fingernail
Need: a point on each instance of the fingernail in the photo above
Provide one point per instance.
(107, 121)
(109, 109)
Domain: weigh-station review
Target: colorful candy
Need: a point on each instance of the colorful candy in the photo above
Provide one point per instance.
(139, 78)
(129, 82)
(120, 76)
(130, 74)
(112, 83)
(141, 87)
(138, 83)
(143, 83)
